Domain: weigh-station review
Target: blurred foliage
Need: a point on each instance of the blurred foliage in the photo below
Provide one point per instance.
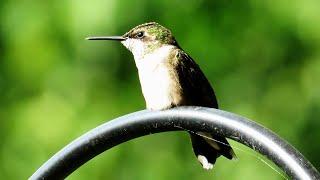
(262, 57)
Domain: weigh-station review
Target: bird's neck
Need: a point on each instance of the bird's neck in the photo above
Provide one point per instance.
(148, 61)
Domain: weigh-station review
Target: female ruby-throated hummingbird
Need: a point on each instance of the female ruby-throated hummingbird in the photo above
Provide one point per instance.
(169, 77)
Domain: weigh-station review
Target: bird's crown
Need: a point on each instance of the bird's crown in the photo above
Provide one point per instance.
(151, 31)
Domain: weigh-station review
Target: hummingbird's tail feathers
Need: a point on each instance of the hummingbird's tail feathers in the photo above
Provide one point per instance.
(204, 152)
(208, 148)
(234, 156)
(220, 144)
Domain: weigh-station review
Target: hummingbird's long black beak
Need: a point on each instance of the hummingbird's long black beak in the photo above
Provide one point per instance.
(113, 38)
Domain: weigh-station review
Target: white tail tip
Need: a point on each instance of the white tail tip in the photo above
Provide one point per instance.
(204, 162)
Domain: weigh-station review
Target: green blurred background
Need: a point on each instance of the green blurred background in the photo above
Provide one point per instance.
(262, 57)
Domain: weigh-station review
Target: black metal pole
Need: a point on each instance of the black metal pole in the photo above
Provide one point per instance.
(196, 119)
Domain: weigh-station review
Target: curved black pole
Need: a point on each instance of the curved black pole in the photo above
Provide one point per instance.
(147, 122)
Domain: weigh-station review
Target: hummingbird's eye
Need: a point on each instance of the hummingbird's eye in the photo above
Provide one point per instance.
(139, 35)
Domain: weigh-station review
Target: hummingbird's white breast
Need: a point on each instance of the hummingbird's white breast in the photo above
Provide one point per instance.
(155, 79)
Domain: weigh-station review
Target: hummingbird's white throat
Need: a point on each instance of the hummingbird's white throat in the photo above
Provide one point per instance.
(136, 46)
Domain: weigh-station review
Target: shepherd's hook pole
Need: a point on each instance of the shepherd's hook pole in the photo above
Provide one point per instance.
(195, 119)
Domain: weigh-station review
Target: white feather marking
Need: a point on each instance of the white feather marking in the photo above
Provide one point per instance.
(204, 162)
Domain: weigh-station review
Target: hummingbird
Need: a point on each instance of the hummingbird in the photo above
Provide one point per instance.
(169, 77)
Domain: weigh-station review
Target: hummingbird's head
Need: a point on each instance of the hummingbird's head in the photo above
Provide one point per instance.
(143, 39)
(146, 38)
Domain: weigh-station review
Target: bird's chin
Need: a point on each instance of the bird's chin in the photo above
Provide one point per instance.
(135, 46)
(127, 44)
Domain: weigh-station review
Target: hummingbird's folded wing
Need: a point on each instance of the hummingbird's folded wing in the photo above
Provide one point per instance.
(193, 82)
(198, 92)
